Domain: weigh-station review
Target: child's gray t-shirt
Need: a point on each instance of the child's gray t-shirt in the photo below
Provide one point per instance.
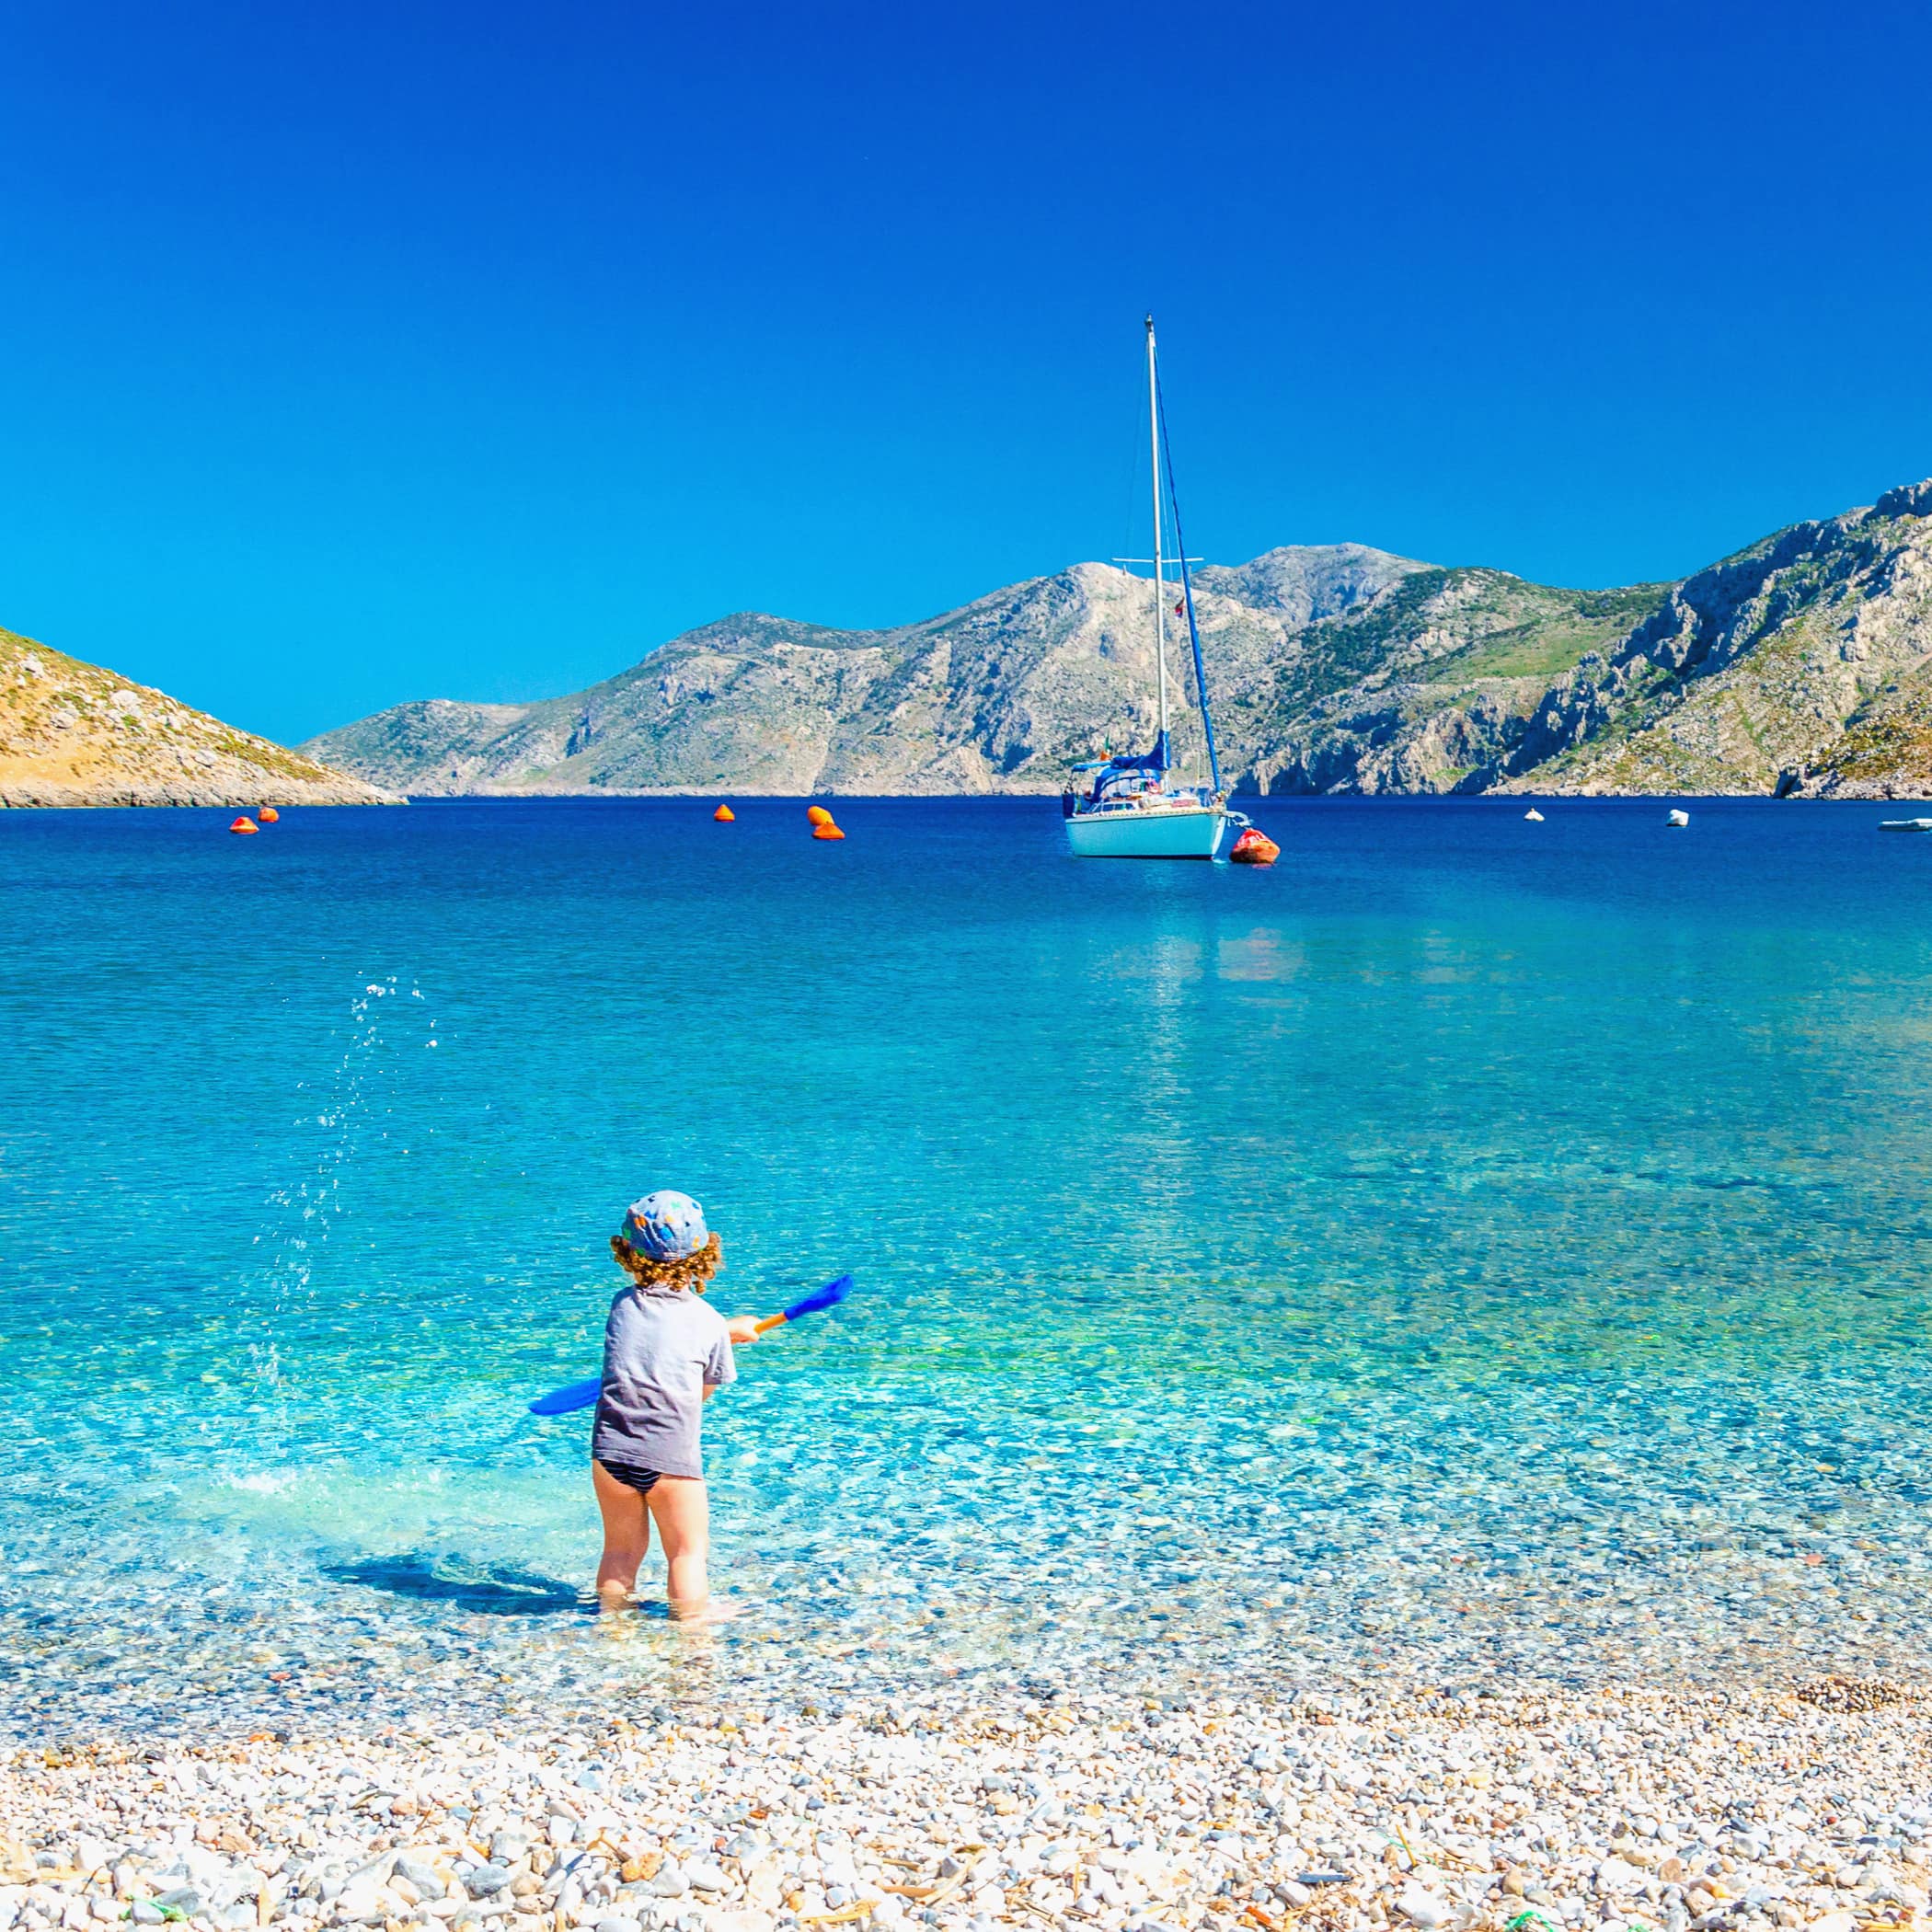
(661, 1347)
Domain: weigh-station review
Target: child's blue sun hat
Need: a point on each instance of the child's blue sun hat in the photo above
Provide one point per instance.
(666, 1225)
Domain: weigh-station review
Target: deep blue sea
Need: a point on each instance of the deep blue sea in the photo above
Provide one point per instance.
(1471, 1251)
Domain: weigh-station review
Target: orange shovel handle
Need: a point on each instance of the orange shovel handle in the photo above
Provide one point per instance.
(771, 1322)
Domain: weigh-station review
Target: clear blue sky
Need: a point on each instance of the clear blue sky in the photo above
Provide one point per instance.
(350, 354)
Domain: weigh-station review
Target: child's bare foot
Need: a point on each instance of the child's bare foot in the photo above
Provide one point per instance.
(613, 1597)
(703, 1610)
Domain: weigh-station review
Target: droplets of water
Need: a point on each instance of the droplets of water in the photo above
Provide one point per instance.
(305, 1207)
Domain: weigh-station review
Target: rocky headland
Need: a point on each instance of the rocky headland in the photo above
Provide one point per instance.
(72, 733)
(1803, 665)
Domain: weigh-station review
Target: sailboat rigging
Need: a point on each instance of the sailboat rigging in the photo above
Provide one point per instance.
(1132, 807)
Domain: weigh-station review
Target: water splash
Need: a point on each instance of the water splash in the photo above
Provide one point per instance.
(305, 1207)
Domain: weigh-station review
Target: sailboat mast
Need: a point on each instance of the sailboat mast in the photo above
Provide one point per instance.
(1160, 586)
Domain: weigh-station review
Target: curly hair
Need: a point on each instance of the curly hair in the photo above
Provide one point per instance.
(692, 1273)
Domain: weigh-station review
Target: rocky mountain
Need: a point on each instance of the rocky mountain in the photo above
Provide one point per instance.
(72, 733)
(1804, 662)
(1322, 660)
(1419, 689)
(1307, 581)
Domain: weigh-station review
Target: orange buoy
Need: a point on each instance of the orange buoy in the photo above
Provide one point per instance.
(1254, 847)
(724, 815)
(826, 829)
(818, 815)
(245, 823)
(268, 814)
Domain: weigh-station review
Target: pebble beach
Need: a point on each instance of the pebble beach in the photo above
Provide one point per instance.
(1339, 1812)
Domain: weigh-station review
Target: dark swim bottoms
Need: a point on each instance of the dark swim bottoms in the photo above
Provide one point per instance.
(643, 1480)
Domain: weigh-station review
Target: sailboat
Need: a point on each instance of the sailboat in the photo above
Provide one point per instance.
(1132, 806)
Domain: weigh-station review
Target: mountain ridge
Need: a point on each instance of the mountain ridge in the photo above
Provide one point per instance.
(998, 695)
(1332, 668)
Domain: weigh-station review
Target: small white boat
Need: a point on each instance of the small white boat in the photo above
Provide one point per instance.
(1905, 825)
(1676, 818)
(1534, 816)
(1132, 807)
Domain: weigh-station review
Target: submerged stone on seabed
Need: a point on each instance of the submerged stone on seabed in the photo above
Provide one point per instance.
(1560, 1534)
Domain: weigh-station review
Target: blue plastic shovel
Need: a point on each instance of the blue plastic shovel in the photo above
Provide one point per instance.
(581, 1395)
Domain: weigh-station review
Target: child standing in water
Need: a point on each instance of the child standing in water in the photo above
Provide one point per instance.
(665, 1352)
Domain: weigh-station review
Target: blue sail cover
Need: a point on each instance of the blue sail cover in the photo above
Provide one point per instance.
(1155, 761)
(1115, 774)
(1132, 770)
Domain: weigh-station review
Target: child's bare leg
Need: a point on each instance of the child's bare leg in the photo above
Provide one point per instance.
(681, 1510)
(627, 1537)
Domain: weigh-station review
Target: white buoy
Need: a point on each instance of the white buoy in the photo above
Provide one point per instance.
(1534, 816)
(1674, 817)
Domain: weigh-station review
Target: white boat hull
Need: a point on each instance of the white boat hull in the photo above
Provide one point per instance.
(1150, 833)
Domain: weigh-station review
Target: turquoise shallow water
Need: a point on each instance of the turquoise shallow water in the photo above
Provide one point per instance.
(1471, 1250)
